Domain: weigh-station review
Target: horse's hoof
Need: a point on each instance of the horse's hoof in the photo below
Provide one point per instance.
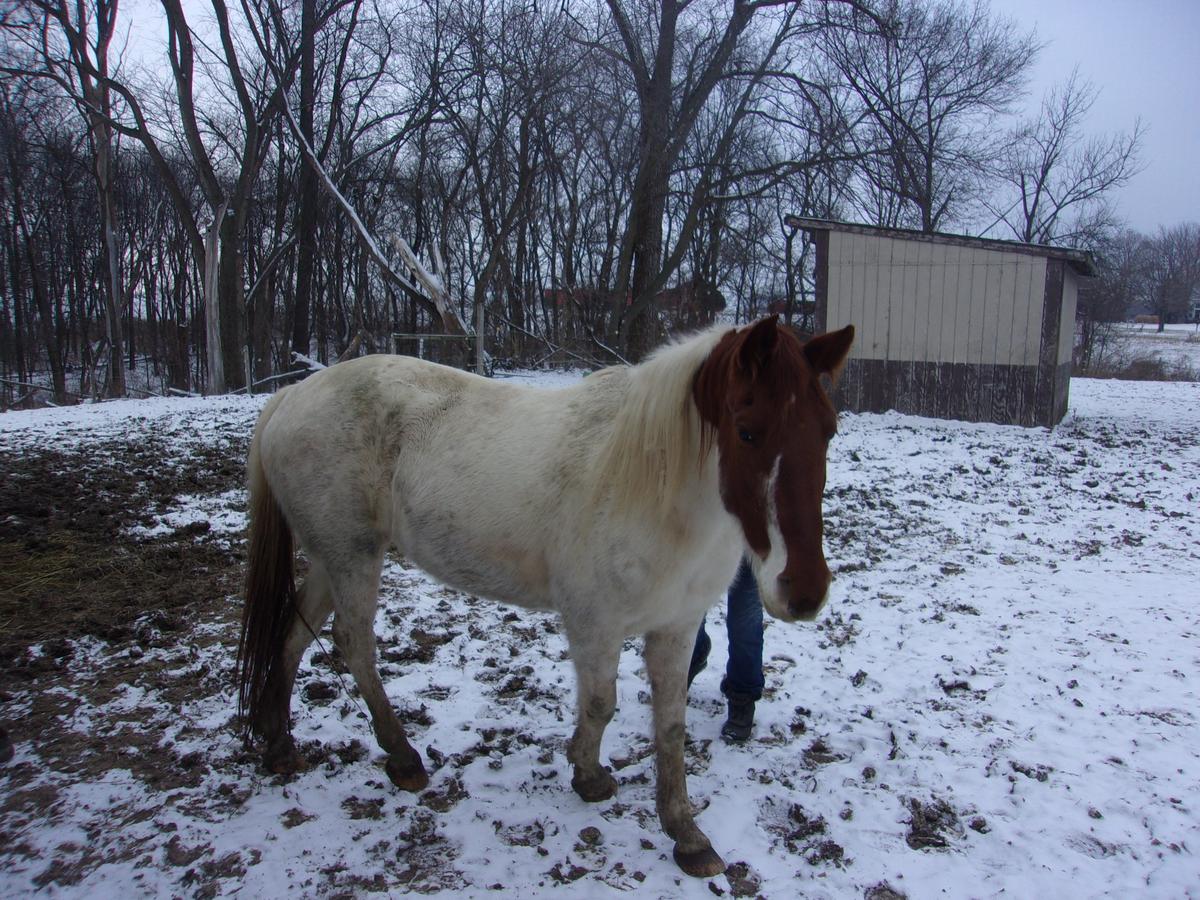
(699, 863)
(406, 775)
(595, 789)
(282, 758)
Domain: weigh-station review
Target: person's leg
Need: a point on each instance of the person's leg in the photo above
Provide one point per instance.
(699, 654)
(744, 626)
(743, 682)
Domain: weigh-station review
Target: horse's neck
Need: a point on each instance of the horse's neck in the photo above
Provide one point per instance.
(656, 442)
(697, 505)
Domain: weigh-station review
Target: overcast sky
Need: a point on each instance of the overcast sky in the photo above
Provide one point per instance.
(1144, 56)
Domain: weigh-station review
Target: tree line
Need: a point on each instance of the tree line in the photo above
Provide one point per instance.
(1157, 275)
(276, 182)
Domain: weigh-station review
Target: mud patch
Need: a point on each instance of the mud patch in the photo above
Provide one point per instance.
(931, 825)
(120, 617)
(801, 832)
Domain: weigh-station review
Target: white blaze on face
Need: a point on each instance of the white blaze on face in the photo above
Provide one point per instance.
(766, 571)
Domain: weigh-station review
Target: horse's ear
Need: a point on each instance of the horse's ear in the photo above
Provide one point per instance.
(758, 344)
(827, 353)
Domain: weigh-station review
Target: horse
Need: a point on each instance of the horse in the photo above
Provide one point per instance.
(624, 503)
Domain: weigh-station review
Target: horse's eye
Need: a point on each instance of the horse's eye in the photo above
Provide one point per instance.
(745, 437)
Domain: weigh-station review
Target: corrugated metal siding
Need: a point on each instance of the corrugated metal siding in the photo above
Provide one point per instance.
(928, 303)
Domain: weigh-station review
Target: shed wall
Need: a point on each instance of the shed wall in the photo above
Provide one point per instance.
(1066, 343)
(948, 330)
(925, 302)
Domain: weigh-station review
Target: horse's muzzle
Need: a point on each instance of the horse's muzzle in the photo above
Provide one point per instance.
(803, 602)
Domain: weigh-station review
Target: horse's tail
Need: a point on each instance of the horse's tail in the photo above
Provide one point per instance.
(270, 585)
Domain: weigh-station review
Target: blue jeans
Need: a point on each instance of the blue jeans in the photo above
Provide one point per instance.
(744, 627)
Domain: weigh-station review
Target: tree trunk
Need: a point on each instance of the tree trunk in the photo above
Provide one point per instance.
(212, 308)
(641, 253)
(306, 224)
(45, 319)
(112, 283)
(231, 301)
(14, 273)
(480, 331)
(176, 325)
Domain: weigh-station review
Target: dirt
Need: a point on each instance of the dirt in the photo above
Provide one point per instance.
(802, 833)
(72, 576)
(64, 542)
(119, 618)
(932, 824)
(743, 881)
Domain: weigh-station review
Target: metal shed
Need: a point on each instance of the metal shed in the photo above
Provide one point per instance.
(948, 326)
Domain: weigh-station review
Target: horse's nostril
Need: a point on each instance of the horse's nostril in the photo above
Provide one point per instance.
(785, 580)
(805, 606)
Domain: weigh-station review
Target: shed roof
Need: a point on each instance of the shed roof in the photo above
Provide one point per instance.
(1079, 260)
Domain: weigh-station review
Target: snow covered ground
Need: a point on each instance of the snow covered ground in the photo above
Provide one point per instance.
(1000, 699)
(1175, 345)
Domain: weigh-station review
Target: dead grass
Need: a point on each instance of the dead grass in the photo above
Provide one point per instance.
(1146, 368)
(68, 566)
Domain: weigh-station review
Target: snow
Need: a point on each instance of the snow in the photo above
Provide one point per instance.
(1175, 345)
(1013, 638)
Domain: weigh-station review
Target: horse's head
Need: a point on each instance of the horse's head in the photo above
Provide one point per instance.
(760, 392)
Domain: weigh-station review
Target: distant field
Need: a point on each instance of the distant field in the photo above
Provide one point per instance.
(1175, 345)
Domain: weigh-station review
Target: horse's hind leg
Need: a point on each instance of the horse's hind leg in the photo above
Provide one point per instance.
(356, 597)
(596, 658)
(314, 602)
(667, 653)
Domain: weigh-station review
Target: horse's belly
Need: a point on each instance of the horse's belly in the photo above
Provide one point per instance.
(513, 581)
(454, 550)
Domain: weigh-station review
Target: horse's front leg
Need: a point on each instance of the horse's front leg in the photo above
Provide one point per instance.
(667, 653)
(596, 653)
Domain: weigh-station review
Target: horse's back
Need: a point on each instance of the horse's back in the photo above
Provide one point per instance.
(468, 477)
(493, 496)
(495, 489)
(328, 445)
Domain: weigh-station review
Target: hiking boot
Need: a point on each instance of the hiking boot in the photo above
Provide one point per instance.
(740, 723)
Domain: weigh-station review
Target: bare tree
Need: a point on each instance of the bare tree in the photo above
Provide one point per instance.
(583, 177)
(1061, 177)
(1174, 271)
(675, 62)
(217, 253)
(932, 78)
(1122, 261)
(306, 223)
(69, 44)
(27, 235)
